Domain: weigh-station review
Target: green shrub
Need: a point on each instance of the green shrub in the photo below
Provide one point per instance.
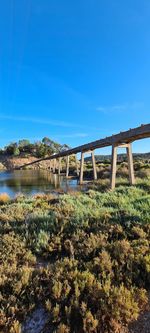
(85, 257)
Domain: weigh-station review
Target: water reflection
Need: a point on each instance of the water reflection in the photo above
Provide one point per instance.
(30, 182)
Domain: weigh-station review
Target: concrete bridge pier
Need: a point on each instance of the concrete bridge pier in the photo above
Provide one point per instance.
(67, 166)
(130, 164)
(94, 165)
(113, 167)
(81, 168)
(77, 166)
(59, 166)
(114, 164)
(54, 165)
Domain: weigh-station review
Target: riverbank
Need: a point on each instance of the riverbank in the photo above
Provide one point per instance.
(29, 182)
(11, 163)
(95, 250)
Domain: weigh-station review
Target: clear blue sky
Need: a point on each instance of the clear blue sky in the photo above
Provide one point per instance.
(75, 71)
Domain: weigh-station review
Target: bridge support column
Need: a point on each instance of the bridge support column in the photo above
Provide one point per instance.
(81, 168)
(114, 164)
(113, 167)
(54, 166)
(77, 167)
(67, 166)
(130, 164)
(59, 166)
(50, 165)
(94, 165)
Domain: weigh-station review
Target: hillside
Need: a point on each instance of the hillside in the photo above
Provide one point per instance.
(23, 152)
(121, 157)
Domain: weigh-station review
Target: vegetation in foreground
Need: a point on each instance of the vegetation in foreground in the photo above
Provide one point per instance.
(96, 247)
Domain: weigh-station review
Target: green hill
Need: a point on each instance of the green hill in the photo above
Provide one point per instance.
(121, 157)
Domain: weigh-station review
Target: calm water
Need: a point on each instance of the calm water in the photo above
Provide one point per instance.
(30, 182)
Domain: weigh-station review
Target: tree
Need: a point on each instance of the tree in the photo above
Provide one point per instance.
(41, 150)
(64, 147)
(46, 141)
(11, 148)
(23, 143)
(54, 146)
(1, 152)
(16, 151)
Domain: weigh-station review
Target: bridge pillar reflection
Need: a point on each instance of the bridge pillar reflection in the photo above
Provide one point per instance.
(77, 166)
(67, 166)
(81, 168)
(114, 164)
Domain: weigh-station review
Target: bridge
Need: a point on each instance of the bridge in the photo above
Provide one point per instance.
(120, 140)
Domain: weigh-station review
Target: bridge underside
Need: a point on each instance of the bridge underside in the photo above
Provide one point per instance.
(128, 148)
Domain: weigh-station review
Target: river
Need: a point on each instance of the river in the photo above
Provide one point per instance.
(30, 182)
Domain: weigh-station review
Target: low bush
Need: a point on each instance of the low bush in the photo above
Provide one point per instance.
(4, 198)
(96, 247)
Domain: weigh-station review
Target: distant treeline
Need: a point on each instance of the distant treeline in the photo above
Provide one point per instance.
(25, 148)
(121, 157)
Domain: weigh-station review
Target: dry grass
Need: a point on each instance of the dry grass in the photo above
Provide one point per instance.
(4, 198)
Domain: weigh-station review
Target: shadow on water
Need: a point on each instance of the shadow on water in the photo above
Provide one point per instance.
(30, 182)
